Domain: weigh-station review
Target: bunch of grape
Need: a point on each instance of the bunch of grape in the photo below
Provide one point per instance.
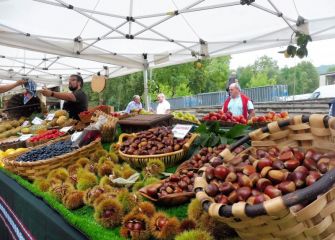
(46, 152)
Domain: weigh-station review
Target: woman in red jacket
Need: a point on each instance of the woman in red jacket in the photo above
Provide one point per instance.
(237, 103)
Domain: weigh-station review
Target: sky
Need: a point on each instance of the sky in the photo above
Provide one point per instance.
(320, 53)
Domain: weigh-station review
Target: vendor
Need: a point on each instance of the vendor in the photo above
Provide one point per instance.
(163, 106)
(237, 103)
(75, 101)
(10, 86)
(134, 105)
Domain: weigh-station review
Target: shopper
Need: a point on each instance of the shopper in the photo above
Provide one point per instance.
(332, 108)
(75, 101)
(10, 86)
(232, 79)
(237, 103)
(134, 105)
(163, 106)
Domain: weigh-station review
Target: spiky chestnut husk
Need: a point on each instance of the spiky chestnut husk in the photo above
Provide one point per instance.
(91, 194)
(98, 154)
(54, 181)
(104, 196)
(42, 184)
(194, 210)
(150, 180)
(85, 180)
(91, 167)
(137, 186)
(83, 161)
(58, 191)
(113, 148)
(194, 234)
(146, 208)
(73, 168)
(105, 168)
(108, 213)
(166, 231)
(128, 200)
(154, 168)
(73, 199)
(113, 157)
(187, 225)
(59, 173)
(135, 235)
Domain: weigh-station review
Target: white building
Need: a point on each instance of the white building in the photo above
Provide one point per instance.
(327, 79)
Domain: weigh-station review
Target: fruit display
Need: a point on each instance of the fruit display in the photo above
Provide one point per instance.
(153, 141)
(45, 152)
(9, 128)
(186, 117)
(9, 152)
(61, 119)
(265, 174)
(46, 136)
(11, 142)
(269, 117)
(224, 117)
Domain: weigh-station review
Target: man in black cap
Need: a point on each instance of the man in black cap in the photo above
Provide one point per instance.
(75, 101)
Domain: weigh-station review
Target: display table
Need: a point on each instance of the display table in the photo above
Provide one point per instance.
(24, 215)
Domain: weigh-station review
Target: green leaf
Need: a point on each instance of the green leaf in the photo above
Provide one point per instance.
(204, 140)
(214, 140)
(223, 140)
(201, 129)
(236, 131)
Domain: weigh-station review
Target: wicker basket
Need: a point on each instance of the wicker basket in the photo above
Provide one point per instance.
(41, 168)
(169, 159)
(181, 121)
(275, 219)
(85, 118)
(34, 144)
(12, 142)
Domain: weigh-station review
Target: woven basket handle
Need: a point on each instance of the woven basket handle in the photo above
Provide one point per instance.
(187, 145)
(123, 136)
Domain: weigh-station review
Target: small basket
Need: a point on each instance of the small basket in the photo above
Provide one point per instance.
(169, 159)
(275, 219)
(12, 142)
(41, 168)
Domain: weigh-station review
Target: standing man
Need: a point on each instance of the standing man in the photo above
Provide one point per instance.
(134, 105)
(232, 79)
(75, 101)
(237, 103)
(10, 86)
(163, 106)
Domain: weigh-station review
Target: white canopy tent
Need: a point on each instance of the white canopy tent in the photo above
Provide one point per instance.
(125, 36)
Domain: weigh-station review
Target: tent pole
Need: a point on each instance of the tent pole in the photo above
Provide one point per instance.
(146, 92)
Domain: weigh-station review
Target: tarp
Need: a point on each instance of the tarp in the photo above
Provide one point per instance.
(127, 36)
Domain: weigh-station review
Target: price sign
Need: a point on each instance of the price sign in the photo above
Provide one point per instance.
(50, 116)
(25, 137)
(181, 130)
(65, 129)
(25, 123)
(37, 121)
(75, 136)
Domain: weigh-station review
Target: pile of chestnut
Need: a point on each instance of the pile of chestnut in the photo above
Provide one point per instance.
(178, 182)
(258, 177)
(206, 154)
(154, 141)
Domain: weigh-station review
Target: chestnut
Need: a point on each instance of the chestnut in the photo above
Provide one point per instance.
(236, 160)
(243, 193)
(209, 173)
(323, 167)
(309, 154)
(216, 161)
(291, 164)
(298, 178)
(286, 155)
(221, 172)
(310, 164)
(287, 187)
(302, 169)
(152, 191)
(226, 188)
(264, 162)
(261, 153)
(272, 192)
(312, 177)
(255, 192)
(276, 175)
(248, 170)
(244, 180)
(174, 178)
(183, 185)
(262, 183)
(298, 155)
(232, 197)
(316, 157)
(274, 152)
(258, 199)
(254, 178)
(221, 199)
(265, 171)
(278, 165)
(231, 177)
(211, 190)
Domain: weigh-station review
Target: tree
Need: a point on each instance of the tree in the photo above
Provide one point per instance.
(244, 75)
(260, 79)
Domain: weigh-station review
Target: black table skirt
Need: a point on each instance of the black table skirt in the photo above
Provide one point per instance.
(24, 216)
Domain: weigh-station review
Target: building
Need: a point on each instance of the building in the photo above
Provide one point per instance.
(327, 79)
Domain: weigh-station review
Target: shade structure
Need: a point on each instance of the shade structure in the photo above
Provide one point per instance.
(124, 36)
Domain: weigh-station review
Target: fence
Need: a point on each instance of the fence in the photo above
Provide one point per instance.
(259, 94)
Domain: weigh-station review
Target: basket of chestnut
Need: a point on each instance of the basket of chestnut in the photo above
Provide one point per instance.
(282, 187)
(174, 190)
(156, 143)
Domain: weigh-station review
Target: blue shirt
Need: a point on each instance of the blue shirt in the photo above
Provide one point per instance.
(235, 106)
(133, 106)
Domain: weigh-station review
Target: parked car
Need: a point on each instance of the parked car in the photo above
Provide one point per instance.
(324, 92)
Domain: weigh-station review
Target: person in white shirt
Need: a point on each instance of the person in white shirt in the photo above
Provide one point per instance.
(163, 106)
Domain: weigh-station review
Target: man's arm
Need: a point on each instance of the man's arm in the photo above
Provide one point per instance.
(7, 87)
(251, 110)
(128, 108)
(60, 95)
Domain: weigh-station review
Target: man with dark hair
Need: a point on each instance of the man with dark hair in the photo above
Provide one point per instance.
(75, 101)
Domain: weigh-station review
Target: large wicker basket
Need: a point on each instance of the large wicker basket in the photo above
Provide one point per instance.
(41, 168)
(275, 219)
(169, 159)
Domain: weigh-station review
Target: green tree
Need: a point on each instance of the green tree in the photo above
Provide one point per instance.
(260, 79)
(244, 75)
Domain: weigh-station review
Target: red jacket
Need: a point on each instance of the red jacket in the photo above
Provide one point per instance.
(245, 100)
